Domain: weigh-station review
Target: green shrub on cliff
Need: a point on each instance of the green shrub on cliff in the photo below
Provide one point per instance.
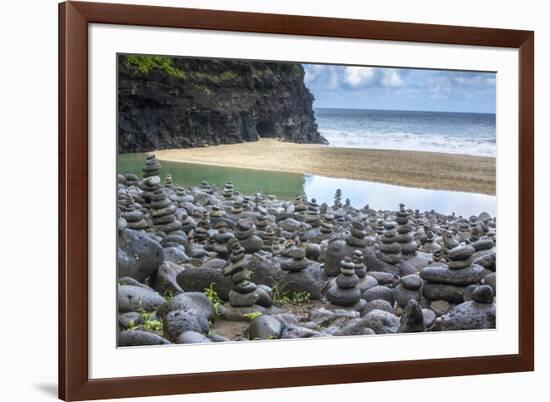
(146, 64)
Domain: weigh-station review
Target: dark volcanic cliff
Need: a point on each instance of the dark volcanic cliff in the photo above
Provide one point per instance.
(182, 102)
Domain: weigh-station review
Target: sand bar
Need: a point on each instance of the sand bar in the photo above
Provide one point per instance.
(406, 168)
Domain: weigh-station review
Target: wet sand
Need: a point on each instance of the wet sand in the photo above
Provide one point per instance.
(406, 168)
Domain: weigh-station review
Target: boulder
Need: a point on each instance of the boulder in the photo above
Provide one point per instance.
(264, 327)
(140, 338)
(135, 298)
(138, 256)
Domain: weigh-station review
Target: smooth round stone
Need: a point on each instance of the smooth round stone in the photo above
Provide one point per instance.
(383, 278)
(461, 252)
(366, 282)
(161, 220)
(152, 181)
(243, 299)
(379, 292)
(411, 282)
(486, 244)
(294, 265)
(466, 276)
(440, 307)
(223, 237)
(429, 317)
(356, 242)
(402, 295)
(343, 297)
(483, 294)
(163, 211)
(140, 338)
(240, 276)
(297, 253)
(409, 248)
(390, 248)
(191, 337)
(245, 287)
(265, 327)
(437, 291)
(460, 264)
(378, 304)
(347, 281)
(133, 216)
(162, 203)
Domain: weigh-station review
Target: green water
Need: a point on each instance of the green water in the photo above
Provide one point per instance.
(247, 181)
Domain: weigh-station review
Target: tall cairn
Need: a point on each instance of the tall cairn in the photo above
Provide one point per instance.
(404, 238)
(390, 251)
(244, 292)
(152, 167)
(162, 213)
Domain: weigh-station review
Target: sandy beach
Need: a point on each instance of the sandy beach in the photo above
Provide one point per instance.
(407, 168)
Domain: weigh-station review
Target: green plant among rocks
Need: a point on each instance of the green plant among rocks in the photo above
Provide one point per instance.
(252, 316)
(153, 326)
(212, 295)
(146, 64)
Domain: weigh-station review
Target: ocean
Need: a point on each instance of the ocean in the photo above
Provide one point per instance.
(457, 133)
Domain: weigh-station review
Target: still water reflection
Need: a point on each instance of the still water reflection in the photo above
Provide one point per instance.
(287, 185)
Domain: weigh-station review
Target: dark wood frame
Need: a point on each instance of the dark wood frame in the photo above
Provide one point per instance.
(74, 17)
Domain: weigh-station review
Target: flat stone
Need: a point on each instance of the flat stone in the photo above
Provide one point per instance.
(135, 298)
(463, 277)
(440, 307)
(377, 304)
(343, 297)
(411, 282)
(437, 291)
(461, 252)
(243, 299)
(379, 292)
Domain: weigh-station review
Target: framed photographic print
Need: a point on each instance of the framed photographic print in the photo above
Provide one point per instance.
(259, 200)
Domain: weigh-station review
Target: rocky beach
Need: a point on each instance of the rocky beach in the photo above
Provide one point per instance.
(205, 263)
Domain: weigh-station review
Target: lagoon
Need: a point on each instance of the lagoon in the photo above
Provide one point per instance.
(287, 185)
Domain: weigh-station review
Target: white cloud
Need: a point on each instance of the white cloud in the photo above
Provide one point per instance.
(357, 77)
(392, 79)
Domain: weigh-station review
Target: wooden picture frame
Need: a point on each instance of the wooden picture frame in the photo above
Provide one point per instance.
(74, 381)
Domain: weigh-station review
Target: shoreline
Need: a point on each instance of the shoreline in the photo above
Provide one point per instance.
(429, 170)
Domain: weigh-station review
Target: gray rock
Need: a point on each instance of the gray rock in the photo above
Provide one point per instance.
(461, 252)
(403, 295)
(440, 307)
(135, 298)
(138, 256)
(127, 320)
(311, 280)
(377, 304)
(383, 278)
(379, 292)
(264, 292)
(165, 280)
(468, 291)
(188, 301)
(263, 271)
(469, 315)
(231, 313)
(177, 322)
(483, 294)
(491, 280)
(450, 293)
(323, 317)
(194, 279)
(411, 282)
(140, 338)
(175, 254)
(377, 321)
(265, 327)
(486, 258)
(413, 318)
(192, 337)
(463, 277)
(429, 317)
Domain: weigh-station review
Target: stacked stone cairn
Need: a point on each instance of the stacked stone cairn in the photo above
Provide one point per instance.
(344, 292)
(312, 214)
(245, 233)
(338, 199)
(365, 281)
(152, 167)
(133, 215)
(243, 292)
(390, 251)
(404, 238)
(162, 213)
(449, 282)
(228, 190)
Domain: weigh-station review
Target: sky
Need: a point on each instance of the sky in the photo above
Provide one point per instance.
(401, 88)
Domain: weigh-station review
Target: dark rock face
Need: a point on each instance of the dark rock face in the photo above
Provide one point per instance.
(186, 102)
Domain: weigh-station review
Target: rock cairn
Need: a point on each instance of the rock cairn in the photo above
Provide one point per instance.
(344, 292)
(404, 239)
(338, 199)
(152, 167)
(245, 233)
(449, 282)
(243, 292)
(133, 215)
(228, 189)
(162, 213)
(390, 251)
(312, 214)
